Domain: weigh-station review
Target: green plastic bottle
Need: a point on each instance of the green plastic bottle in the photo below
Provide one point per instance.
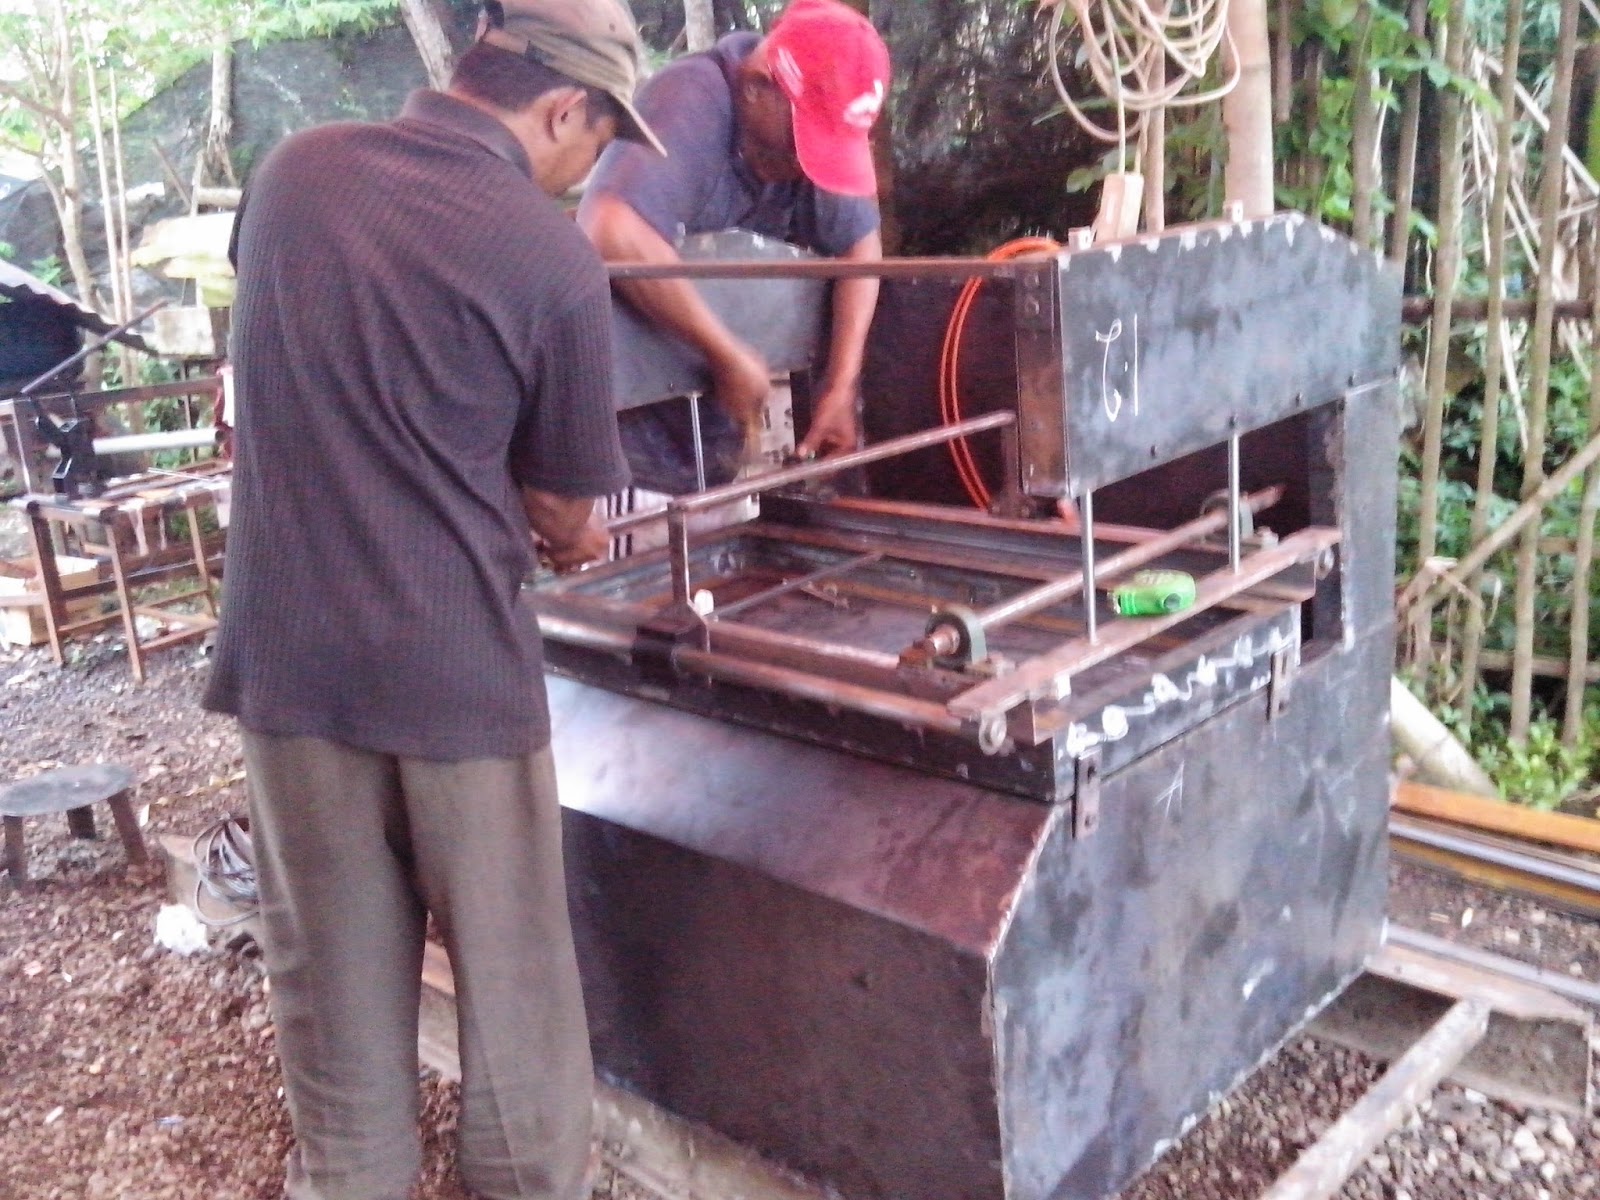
(1153, 593)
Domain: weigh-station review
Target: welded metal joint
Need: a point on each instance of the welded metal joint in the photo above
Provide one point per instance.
(1086, 794)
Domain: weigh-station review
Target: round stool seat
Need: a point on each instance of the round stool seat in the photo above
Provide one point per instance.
(69, 790)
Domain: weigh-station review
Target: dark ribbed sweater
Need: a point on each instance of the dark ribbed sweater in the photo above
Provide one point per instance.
(418, 331)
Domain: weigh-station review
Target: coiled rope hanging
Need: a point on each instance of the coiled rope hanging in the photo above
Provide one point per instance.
(1142, 54)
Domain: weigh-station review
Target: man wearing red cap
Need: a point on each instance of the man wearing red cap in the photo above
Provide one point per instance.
(768, 135)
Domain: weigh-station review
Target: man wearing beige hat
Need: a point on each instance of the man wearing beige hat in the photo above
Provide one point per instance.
(421, 347)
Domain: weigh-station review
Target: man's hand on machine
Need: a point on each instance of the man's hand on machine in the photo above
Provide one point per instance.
(834, 429)
(740, 383)
(569, 532)
(591, 545)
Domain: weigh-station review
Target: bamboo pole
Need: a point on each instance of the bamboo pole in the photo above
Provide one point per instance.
(124, 235)
(1363, 134)
(1445, 274)
(1405, 180)
(1489, 431)
(1519, 518)
(1283, 63)
(1583, 552)
(1553, 178)
(1153, 152)
(1247, 110)
(119, 302)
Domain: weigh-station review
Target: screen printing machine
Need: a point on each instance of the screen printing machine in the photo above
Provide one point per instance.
(897, 853)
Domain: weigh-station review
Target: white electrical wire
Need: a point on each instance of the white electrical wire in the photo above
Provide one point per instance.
(1128, 44)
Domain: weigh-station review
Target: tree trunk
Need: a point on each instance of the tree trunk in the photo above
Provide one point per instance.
(214, 162)
(427, 21)
(69, 195)
(1247, 110)
(699, 24)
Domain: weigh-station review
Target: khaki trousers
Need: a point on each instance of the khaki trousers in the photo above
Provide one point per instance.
(353, 850)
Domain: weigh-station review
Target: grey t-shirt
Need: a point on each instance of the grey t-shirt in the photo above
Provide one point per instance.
(703, 185)
(418, 331)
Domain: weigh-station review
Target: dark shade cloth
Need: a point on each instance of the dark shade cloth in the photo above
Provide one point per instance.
(703, 186)
(35, 335)
(418, 330)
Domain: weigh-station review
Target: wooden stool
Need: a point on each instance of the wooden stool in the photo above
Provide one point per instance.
(70, 790)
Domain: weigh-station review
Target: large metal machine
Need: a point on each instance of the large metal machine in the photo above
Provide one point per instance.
(898, 854)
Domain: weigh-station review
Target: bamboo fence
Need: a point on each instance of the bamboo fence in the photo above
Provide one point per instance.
(1511, 198)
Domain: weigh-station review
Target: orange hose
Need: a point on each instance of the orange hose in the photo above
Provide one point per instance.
(950, 365)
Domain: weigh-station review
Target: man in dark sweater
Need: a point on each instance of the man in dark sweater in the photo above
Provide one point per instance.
(764, 134)
(421, 346)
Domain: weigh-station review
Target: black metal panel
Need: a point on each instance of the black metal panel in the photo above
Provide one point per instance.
(790, 944)
(1234, 885)
(783, 319)
(1170, 344)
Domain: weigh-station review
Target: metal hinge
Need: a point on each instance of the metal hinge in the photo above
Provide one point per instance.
(1086, 794)
(1285, 662)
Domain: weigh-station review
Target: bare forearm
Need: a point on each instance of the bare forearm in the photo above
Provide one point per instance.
(854, 302)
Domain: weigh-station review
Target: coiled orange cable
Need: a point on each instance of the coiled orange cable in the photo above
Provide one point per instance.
(950, 365)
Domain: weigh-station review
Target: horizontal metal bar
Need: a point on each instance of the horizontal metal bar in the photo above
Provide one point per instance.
(822, 468)
(1042, 675)
(1412, 830)
(915, 714)
(1582, 991)
(957, 269)
(791, 585)
(169, 439)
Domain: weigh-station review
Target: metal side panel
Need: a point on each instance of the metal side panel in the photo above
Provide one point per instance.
(1171, 344)
(1234, 885)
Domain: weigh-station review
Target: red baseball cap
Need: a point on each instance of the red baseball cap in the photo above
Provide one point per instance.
(834, 68)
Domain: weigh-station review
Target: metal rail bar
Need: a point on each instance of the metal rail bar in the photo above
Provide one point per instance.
(1566, 884)
(1580, 990)
(825, 467)
(956, 269)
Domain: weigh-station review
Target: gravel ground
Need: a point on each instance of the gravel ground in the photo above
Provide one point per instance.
(139, 1074)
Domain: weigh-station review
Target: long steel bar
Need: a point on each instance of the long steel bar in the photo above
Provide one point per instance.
(956, 269)
(699, 444)
(1582, 991)
(1235, 516)
(1086, 576)
(1322, 1170)
(791, 585)
(825, 467)
(1568, 884)
(1136, 555)
(1041, 675)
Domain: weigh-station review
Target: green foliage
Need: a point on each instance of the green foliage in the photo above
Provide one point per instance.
(1541, 772)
